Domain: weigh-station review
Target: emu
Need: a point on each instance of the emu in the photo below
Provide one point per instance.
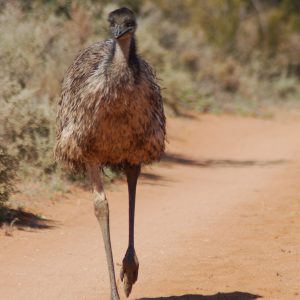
(111, 114)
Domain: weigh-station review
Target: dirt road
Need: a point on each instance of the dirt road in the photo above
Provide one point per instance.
(217, 219)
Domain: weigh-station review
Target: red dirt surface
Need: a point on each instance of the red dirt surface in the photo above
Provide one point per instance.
(217, 219)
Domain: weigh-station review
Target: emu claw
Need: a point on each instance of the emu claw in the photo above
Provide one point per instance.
(129, 270)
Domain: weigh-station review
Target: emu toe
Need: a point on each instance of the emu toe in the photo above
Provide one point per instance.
(129, 271)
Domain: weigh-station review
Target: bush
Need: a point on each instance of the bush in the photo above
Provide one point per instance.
(8, 167)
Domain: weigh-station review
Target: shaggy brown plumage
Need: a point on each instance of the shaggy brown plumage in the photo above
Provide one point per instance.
(110, 111)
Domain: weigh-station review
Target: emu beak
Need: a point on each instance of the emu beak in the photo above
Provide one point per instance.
(120, 30)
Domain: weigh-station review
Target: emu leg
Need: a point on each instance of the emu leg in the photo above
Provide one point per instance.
(102, 214)
(130, 268)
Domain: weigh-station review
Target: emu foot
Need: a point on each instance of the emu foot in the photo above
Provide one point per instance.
(129, 270)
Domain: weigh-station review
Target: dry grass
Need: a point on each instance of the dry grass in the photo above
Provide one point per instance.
(8, 168)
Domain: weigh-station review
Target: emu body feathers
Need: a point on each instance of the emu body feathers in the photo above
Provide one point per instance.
(110, 111)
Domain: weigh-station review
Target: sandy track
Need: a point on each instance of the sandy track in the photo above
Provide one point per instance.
(218, 219)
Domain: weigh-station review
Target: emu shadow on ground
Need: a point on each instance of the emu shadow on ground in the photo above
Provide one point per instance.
(150, 176)
(218, 296)
(23, 220)
(221, 163)
(172, 158)
(154, 179)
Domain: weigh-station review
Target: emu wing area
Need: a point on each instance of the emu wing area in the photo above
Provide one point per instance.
(107, 115)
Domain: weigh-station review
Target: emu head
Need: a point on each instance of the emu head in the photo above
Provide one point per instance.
(122, 23)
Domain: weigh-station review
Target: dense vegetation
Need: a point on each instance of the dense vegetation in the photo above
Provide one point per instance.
(213, 55)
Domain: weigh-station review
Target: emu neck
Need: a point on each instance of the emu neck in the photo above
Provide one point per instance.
(124, 49)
